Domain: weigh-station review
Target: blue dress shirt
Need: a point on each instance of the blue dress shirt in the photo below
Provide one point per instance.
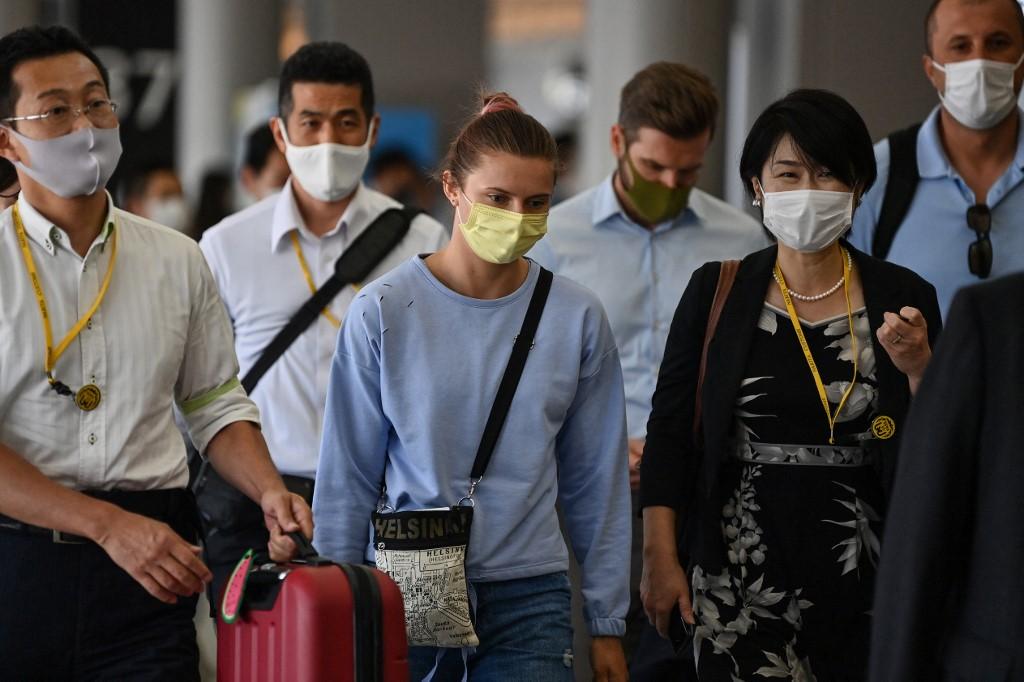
(934, 237)
(639, 273)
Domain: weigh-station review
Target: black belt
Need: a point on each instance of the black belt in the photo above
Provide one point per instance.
(303, 487)
(161, 505)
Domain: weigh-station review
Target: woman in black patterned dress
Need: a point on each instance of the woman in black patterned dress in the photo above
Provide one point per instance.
(781, 492)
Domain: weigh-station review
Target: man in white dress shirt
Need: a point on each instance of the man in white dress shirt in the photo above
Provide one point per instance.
(269, 258)
(107, 321)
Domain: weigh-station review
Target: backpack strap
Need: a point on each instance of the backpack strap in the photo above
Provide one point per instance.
(899, 188)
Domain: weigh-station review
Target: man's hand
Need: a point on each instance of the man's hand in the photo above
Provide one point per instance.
(636, 452)
(285, 512)
(607, 660)
(154, 555)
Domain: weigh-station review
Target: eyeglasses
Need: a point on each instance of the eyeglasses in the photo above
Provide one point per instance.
(100, 113)
(979, 254)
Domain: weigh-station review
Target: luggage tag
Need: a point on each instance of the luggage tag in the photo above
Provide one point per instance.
(231, 603)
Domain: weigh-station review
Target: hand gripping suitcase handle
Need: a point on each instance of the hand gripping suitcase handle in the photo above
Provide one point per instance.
(307, 553)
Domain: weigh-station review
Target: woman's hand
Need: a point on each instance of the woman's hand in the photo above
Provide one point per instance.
(607, 660)
(663, 583)
(905, 338)
(663, 586)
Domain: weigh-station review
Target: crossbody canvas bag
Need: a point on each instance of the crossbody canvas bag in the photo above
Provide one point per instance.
(424, 550)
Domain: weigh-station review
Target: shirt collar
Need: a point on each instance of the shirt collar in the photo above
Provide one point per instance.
(287, 218)
(932, 161)
(49, 236)
(606, 206)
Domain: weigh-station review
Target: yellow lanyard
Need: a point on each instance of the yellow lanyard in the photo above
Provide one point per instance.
(807, 349)
(309, 278)
(53, 354)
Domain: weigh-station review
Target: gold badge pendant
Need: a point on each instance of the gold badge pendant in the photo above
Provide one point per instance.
(88, 397)
(883, 427)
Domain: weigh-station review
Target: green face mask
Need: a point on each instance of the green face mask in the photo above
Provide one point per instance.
(654, 201)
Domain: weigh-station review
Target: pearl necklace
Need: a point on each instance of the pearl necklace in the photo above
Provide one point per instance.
(824, 294)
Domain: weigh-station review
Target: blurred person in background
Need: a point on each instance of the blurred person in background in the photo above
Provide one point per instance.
(394, 172)
(264, 168)
(269, 258)
(634, 240)
(216, 200)
(153, 191)
(949, 201)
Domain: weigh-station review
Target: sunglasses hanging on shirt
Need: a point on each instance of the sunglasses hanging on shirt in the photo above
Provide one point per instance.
(979, 253)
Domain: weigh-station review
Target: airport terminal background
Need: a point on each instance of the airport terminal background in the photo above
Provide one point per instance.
(194, 77)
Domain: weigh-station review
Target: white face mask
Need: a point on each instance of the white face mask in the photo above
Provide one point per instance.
(171, 212)
(807, 219)
(328, 171)
(979, 92)
(72, 165)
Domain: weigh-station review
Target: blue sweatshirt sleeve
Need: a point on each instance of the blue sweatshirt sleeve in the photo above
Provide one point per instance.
(353, 447)
(593, 488)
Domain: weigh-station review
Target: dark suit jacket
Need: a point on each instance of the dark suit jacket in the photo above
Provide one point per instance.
(949, 603)
(674, 472)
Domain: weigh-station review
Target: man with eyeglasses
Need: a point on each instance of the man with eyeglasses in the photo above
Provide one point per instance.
(107, 321)
(949, 200)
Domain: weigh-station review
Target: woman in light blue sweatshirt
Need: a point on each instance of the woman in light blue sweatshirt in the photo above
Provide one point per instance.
(418, 363)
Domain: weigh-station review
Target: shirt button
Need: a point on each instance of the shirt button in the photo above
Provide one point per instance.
(92, 439)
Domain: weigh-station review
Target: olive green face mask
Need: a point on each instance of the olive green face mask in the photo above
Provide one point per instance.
(654, 201)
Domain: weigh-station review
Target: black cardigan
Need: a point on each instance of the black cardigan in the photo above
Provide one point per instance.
(674, 472)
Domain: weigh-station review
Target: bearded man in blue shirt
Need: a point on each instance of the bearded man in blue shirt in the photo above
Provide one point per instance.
(636, 238)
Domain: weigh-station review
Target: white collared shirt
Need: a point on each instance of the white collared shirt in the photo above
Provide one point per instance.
(262, 284)
(159, 338)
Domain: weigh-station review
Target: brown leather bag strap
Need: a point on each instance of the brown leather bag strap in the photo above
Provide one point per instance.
(726, 276)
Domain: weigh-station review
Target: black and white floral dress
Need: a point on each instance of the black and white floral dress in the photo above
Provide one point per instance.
(787, 593)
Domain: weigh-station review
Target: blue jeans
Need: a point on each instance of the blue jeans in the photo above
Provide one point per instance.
(525, 632)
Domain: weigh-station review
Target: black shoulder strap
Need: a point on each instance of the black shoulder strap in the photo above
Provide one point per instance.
(899, 188)
(354, 265)
(513, 371)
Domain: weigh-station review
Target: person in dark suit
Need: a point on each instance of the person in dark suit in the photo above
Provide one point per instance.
(809, 376)
(950, 601)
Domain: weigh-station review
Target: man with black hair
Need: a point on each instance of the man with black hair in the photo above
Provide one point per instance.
(949, 199)
(269, 258)
(264, 169)
(108, 321)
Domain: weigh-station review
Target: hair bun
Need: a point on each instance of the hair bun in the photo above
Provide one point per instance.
(498, 101)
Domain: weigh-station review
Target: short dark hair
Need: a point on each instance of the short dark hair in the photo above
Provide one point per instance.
(671, 98)
(259, 144)
(325, 62)
(826, 130)
(135, 182)
(929, 20)
(37, 42)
